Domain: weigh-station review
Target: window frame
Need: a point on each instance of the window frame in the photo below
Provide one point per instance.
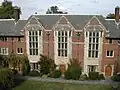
(109, 52)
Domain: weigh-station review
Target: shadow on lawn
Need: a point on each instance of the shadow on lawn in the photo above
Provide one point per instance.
(18, 81)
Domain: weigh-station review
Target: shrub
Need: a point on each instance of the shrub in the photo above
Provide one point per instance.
(93, 75)
(25, 67)
(34, 73)
(73, 73)
(6, 78)
(14, 71)
(55, 74)
(116, 78)
(83, 77)
(101, 77)
(47, 65)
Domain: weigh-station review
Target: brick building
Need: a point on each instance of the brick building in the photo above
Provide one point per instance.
(91, 39)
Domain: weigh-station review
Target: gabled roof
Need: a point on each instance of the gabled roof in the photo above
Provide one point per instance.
(113, 28)
(8, 27)
(75, 20)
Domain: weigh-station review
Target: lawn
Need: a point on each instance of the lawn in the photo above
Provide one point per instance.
(37, 85)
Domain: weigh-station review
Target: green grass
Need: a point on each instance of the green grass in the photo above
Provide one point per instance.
(37, 85)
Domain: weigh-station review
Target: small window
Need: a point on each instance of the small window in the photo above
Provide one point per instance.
(86, 34)
(19, 50)
(19, 38)
(39, 32)
(110, 41)
(109, 53)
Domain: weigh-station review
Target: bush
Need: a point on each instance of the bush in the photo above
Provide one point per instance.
(93, 75)
(101, 77)
(83, 77)
(14, 71)
(34, 73)
(47, 65)
(55, 74)
(73, 73)
(25, 68)
(116, 78)
(6, 78)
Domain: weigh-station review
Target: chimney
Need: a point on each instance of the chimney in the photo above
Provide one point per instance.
(16, 13)
(117, 11)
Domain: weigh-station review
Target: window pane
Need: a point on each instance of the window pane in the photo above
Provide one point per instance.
(33, 51)
(36, 45)
(62, 45)
(21, 50)
(36, 33)
(111, 53)
(65, 39)
(93, 46)
(96, 46)
(90, 33)
(65, 53)
(39, 32)
(93, 54)
(29, 33)
(89, 53)
(29, 38)
(89, 40)
(30, 51)
(36, 38)
(93, 40)
(58, 45)
(65, 45)
(66, 33)
(107, 53)
(36, 51)
(58, 52)
(89, 46)
(62, 39)
(33, 33)
(93, 34)
(96, 54)
(97, 40)
(58, 39)
(18, 50)
(58, 33)
(62, 33)
(97, 34)
(62, 53)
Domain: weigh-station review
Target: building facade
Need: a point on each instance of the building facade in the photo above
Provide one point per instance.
(91, 39)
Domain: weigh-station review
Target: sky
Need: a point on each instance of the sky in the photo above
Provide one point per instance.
(102, 7)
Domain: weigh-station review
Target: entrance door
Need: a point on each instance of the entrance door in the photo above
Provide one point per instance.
(108, 71)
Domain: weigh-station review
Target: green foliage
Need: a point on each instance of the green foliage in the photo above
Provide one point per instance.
(83, 77)
(74, 70)
(14, 71)
(25, 66)
(116, 78)
(93, 75)
(34, 73)
(55, 74)
(101, 77)
(6, 80)
(3, 61)
(73, 73)
(47, 65)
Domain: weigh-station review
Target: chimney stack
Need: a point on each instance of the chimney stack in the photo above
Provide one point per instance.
(16, 13)
(117, 13)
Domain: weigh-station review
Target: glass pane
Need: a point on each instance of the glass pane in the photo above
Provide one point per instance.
(93, 46)
(33, 51)
(62, 33)
(30, 45)
(65, 53)
(58, 45)
(107, 53)
(97, 34)
(89, 46)
(65, 45)
(58, 39)
(36, 45)
(58, 33)
(96, 46)
(111, 53)
(89, 40)
(39, 32)
(30, 51)
(97, 40)
(96, 54)
(29, 33)
(89, 53)
(58, 52)
(90, 33)
(93, 40)
(33, 33)
(36, 38)
(36, 33)
(62, 39)
(66, 33)
(93, 54)
(62, 45)
(65, 39)
(62, 53)
(36, 51)
(93, 34)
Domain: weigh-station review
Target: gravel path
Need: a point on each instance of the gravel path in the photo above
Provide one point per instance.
(105, 82)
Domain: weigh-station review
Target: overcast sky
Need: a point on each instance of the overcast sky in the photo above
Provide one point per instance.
(103, 7)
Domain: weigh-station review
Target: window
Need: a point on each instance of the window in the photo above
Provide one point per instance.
(62, 43)
(3, 38)
(19, 38)
(4, 51)
(19, 51)
(110, 41)
(92, 68)
(93, 44)
(34, 66)
(33, 42)
(109, 53)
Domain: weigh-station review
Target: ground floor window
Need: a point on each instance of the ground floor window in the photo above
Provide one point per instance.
(92, 68)
(34, 66)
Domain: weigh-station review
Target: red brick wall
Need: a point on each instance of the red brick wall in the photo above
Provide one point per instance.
(78, 49)
(51, 44)
(109, 60)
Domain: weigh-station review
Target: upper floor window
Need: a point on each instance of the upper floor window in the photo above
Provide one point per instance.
(19, 38)
(93, 44)
(4, 51)
(19, 51)
(33, 42)
(110, 41)
(62, 43)
(109, 53)
(3, 38)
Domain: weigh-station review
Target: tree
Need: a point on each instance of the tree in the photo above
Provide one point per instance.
(110, 16)
(47, 65)
(3, 61)
(7, 10)
(54, 10)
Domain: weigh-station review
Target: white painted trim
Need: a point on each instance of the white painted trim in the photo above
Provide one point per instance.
(110, 56)
(98, 21)
(32, 24)
(57, 23)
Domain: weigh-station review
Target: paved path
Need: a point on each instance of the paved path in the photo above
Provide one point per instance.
(105, 82)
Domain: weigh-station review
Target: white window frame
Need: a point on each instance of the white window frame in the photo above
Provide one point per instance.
(21, 52)
(2, 51)
(109, 53)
